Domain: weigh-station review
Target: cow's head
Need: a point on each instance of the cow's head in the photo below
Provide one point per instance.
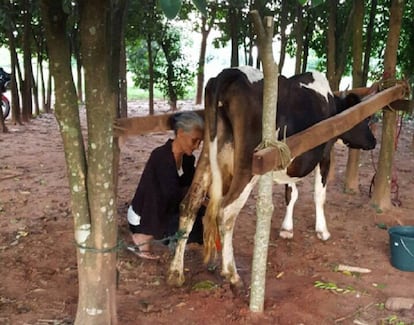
(360, 136)
(4, 80)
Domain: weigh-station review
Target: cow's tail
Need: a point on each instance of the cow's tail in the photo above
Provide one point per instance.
(210, 220)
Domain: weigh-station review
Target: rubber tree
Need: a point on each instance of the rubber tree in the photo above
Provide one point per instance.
(91, 172)
(381, 196)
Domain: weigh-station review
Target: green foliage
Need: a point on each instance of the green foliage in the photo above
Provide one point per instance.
(201, 5)
(170, 7)
(171, 70)
(137, 53)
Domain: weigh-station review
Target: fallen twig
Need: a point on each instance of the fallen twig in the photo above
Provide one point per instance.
(354, 313)
(343, 267)
(10, 176)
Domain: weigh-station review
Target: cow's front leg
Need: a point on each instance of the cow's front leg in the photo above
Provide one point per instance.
(319, 198)
(188, 212)
(286, 230)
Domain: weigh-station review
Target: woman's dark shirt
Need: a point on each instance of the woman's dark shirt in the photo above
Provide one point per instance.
(160, 190)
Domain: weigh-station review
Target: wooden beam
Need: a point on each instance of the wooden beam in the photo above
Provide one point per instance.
(268, 159)
(145, 124)
(404, 105)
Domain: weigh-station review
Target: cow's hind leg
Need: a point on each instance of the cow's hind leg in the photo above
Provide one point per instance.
(227, 221)
(319, 198)
(286, 230)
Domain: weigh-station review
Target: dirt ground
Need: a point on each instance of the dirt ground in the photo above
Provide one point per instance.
(38, 268)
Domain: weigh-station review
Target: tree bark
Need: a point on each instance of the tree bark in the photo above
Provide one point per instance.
(368, 44)
(283, 38)
(381, 196)
(351, 175)
(97, 295)
(299, 31)
(151, 74)
(265, 202)
(331, 44)
(234, 22)
(27, 59)
(15, 102)
(205, 31)
(92, 180)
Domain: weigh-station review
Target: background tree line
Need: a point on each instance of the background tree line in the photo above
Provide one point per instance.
(99, 41)
(152, 46)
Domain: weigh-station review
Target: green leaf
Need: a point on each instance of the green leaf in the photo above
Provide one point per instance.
(170, 7)
(204, 285)
(302, 2)
(201, 5)
(316, 3)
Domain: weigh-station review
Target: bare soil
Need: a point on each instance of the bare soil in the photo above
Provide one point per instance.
(38, 268)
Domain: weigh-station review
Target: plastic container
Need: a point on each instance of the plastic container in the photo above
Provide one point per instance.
(402, 247)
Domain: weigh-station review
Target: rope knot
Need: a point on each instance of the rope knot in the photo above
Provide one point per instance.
(281, 146)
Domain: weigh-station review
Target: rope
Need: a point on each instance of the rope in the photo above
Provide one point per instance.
(172, 241)
(281, 147)
(390, 82)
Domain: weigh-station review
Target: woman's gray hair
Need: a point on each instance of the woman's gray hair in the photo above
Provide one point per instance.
(186, 121)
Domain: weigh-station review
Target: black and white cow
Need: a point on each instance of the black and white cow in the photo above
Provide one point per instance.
(233, 117)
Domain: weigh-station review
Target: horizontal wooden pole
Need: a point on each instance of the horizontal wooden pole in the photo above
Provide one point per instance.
(145, 124)
(267, 159)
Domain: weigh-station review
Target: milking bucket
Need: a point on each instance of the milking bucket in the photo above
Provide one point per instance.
(402, 247)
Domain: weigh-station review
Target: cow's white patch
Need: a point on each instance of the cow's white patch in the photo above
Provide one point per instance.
(234, 208)
(319, 198)
(252, 74)
(229, 217)
(216, 181)
(286, 230)
(281, 177)
(320, 84)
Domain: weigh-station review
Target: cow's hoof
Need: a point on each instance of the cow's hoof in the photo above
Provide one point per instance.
(286, 234)
(175, 278)
(323, 235)
(238, 289)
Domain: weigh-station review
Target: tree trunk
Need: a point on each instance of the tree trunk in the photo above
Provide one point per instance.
(27, 59)
(48, 103)
(92, 180)
(299, 31)
(99, 293)
(283, 38)
(15, 102)
(233, 21)
(202, 60)
(368, 44)
(123, 100)
(151, 75)
(36, 92)
(381, 196)
(331, 45)
(265, 201)
(351, 176)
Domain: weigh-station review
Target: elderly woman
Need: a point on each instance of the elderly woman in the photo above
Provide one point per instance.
(154, 210)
